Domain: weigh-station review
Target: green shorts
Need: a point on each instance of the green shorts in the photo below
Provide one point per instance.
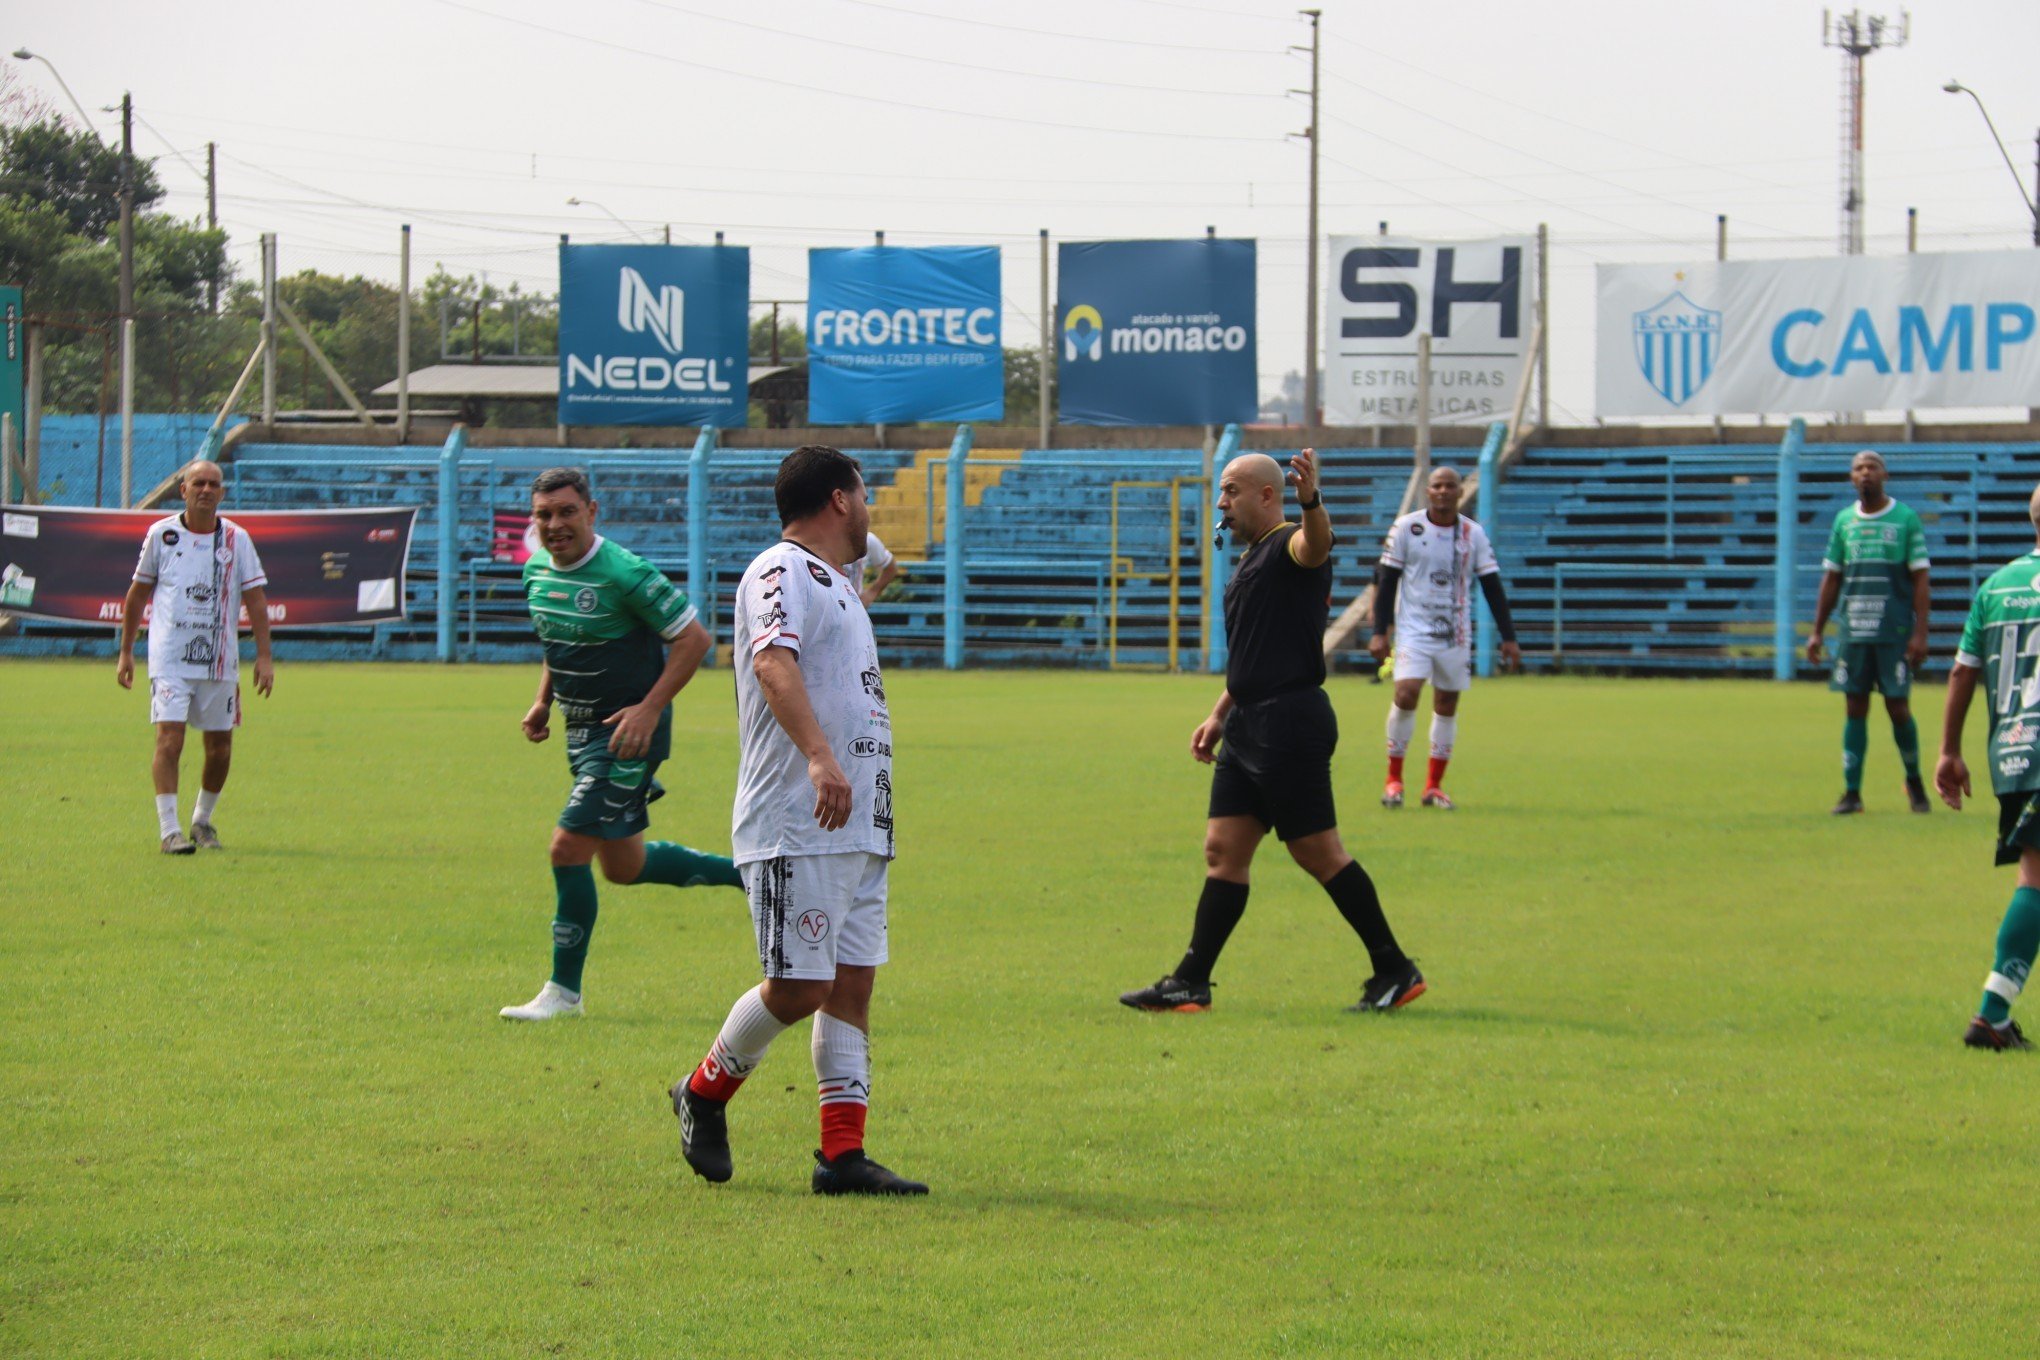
(2018, 825)
(610, 795)
(1861, 667)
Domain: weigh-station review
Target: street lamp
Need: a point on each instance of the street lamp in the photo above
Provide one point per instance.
(1957, 87)
(591, 203)
(23, 54)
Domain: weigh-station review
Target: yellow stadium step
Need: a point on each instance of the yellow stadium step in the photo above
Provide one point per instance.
(908, 519)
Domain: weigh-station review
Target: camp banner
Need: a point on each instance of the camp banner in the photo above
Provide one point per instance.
(1156, 332)
(1475, 299)
(655, 335)
(898, 334)
(1849, 333)
(326, 568)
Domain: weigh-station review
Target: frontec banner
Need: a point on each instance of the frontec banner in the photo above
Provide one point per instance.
(899, 334)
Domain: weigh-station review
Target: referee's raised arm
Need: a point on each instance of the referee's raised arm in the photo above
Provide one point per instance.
(1313, 545)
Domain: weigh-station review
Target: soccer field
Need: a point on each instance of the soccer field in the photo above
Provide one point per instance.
(1687, 1081)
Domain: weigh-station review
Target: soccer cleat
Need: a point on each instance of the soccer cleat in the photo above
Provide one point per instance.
(177, 843)
(853, 1173)
(1983, 1034)
(553, 1002)
(1915, 793)
(704, 1133)
(1395, 988)
(1849, 802)
(204, 837)
(1438, 798)
(1391, 794)
(1170, 994)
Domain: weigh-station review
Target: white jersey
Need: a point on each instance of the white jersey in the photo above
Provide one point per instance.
(195, 616)
(790, 598)
(1434, 603)
(877, 557)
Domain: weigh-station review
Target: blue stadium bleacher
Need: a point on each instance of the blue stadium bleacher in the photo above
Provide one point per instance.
(80, 455)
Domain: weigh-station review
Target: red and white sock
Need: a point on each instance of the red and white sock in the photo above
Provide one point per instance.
(1402, 725)
(1443, 730)
(738, 1050)
(842, 1054)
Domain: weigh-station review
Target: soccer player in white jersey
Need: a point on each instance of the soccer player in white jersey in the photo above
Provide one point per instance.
(196, 573)
(812, 832)
(877, 557)
(1428, 567)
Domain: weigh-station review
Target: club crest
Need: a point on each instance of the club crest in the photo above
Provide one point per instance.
(1677, 342)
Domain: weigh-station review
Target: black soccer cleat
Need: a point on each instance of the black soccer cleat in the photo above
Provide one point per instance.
(1849, 802)
(1388, 991)
(1983, 1034)
(1170, 994)
(853, 1173)
(704, 1133)
(1916, 794)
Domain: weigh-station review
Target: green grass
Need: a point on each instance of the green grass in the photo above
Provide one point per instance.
(1687, 1082)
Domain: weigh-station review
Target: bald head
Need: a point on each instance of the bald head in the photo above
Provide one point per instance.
(1250, 495)
(202, 484)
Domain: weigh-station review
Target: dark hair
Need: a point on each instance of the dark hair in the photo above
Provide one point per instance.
(808, 477)
(562, 479)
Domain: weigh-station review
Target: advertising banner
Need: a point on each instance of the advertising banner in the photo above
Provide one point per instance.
(1848, 333)
(899, 334)
(326, 568)
(655, 335)
(1156, 332)
(1476, 299)
(13, 355)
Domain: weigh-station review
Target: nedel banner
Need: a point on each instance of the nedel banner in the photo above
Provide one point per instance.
(655, 335)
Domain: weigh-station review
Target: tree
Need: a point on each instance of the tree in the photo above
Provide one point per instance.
(73, 172)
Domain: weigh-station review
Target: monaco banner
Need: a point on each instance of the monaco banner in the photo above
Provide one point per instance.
(898, 334)
(1786, 337)
(1477, 301)
(326, 568)
(655, 335)
(1155, 332)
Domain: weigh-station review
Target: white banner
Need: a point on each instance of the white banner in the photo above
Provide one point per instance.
(1786, 337)
(1476, 299)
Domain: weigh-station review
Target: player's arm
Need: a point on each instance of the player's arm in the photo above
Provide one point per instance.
(1923, 599)
(1830, 592)
(886, 576)
(1313, 544)
(537, 722)
(1204, 741)
(635, 726)
(138, 593)
(1498, 605)
(1951, 776)
(779, 680)
(1389, 582)
(256, 601)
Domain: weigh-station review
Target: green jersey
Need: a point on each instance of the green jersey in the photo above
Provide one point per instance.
(604, 623)
(2002, 639)
(1876, 556)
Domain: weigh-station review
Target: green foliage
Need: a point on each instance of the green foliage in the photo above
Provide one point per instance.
(792, 338)
(72, 172)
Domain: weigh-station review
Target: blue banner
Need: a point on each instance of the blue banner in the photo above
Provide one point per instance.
(1156, 332)
(655, 335)
(898, 334)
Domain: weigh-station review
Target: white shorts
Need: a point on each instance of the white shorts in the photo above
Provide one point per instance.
(1447, 667)
(208, 705)
(813, 912)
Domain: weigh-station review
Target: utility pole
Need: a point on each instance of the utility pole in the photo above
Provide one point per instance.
(1857, 36)
(212, 219)
(1310, 300)
(127, 206)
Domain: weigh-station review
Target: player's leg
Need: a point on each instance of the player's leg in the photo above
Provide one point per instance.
(1402, 719)
(2018, 938)
(1444, 732)
(169, 707)
(216, 712)
(1895, 679)
(575, 907)
(1230, 839)
(676, 865)
(1855, 675)
(1395, 981)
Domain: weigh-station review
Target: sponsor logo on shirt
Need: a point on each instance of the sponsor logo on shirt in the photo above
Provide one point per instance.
(873, 685)
(200, 652)
(881, 802)
(2013, 766)
(1417, 530)
(771, 618)
(2020, 733)
(820, 574)
(585, 599)
(865, 747)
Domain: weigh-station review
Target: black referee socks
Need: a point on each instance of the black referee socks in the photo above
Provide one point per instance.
(1352, 892)
(1219, 908)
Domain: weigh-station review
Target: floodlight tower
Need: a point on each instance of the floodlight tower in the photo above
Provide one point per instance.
(1857, 36)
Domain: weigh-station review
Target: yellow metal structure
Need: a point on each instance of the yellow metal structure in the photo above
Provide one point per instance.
(1124, 571)
(908, 512)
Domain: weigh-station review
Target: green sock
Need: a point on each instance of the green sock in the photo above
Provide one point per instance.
(573, 922)
(1907, 735)
(2017, 942)
(1855, 744)
(666, 862)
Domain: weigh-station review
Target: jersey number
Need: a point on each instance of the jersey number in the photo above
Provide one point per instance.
(2020, 656)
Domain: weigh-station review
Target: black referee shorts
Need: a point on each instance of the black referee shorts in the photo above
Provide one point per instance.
(1275, 764)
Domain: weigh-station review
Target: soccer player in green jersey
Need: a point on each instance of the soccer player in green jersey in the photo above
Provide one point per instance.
(2001, 650)
(1876, 566)
(620, 641)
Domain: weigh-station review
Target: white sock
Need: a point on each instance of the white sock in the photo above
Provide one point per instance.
(1402, 725)
(842, 1054)
(208, 799)
(745, 1036)
(166, 813)
(1443, 730)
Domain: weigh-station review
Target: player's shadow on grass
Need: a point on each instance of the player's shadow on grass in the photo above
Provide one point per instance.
(1482, 1017)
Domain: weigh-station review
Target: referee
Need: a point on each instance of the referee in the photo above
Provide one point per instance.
(1274, 766)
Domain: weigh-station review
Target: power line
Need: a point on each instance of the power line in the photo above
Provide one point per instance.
(1065, 35)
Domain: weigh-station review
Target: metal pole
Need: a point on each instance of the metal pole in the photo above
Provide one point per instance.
(1912, 246)
(449, 530)
(1423, 450)
(952, 552)
(1490, 505)
(1310, 287)
(1543, 355)
(698, 592)
(1784, 633)
(31, 435)
(1720, 253)
(7, 459)
(212, 220)
(268, 328)
(1047, 339)
(127, 413)
(127, 206)
(1221, 565)
(404, 338)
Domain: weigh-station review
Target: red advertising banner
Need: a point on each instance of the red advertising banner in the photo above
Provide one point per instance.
(326, 568)
(515, 540)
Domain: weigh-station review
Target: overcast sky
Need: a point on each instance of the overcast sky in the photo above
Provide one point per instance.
(1626, 127)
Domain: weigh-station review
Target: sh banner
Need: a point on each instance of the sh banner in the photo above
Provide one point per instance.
(326, 568)
(1783, 337)
(1476, 299)
(655, 335)
(1155, 332)
(899, 334)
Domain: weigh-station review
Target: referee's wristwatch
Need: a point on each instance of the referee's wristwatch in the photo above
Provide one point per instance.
(1313, 503)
